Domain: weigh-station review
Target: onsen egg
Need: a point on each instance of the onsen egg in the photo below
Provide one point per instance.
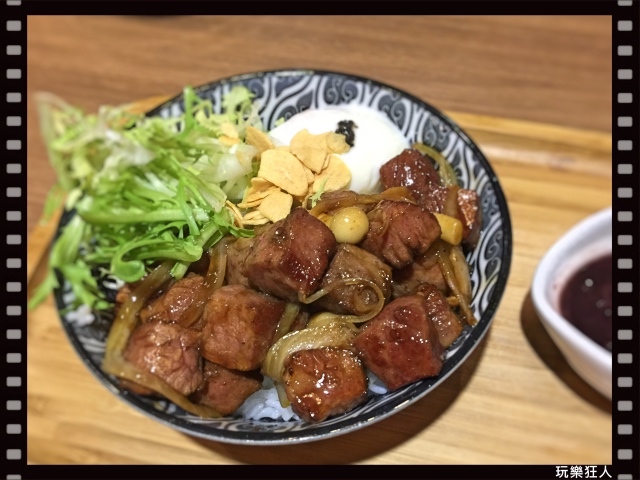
(377, 140)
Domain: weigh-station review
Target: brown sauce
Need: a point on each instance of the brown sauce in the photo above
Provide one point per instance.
(586, 300)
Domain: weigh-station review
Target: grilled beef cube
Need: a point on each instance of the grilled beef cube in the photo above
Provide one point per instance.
(173, 304)
(291, 256)
(470, 214)
(225, 390)
(323, 382)
(236, 254)
(239, 327)
(422, 270)
(353, 262)
(417, 172)
(446, 321)
(401, 344)
(398, 231)
(168, 351)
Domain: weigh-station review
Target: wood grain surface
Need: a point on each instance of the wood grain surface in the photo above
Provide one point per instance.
(547, 69)
(515, 399)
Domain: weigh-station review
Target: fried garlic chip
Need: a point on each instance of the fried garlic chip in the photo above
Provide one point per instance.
(258, 139)
(283, 170)
(310, 149)
(276, 206)
(337, 175)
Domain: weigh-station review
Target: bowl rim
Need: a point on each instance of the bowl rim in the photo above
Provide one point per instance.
(544, 274)
(372, 416)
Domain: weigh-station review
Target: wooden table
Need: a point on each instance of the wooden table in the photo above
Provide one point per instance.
(515, 399)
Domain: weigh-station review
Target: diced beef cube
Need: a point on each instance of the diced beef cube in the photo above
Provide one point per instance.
(236, 254)
(470, 214)
(172, 305)
(353, 262)
(398, 231)
(239, 327)
(417, 172)
(225, 390)
(291, 257)
(401, 345)
(446, 321)
(323, 382)
(168, 351)
(422, 270)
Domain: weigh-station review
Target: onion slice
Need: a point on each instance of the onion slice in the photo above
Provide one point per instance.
(336, 334)
(343, 283)
(286, 320)
(445, 171)
(399, 194)
(448, 271)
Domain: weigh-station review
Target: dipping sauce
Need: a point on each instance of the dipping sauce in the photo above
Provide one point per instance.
(586, 300)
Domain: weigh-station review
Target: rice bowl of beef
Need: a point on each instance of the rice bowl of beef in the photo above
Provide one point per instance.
(256, 290)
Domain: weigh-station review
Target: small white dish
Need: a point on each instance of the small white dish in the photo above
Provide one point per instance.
(588, 240)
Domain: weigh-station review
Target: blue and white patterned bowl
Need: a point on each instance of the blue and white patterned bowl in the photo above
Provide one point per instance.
(283, 93)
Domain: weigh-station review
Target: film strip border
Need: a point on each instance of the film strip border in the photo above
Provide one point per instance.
(14, 236)
(626, 144)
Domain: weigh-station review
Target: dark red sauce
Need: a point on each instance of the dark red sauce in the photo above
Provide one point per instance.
(586, 300)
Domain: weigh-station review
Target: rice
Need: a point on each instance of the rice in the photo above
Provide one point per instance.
(81, 316)
(376, 386)
(265, 404)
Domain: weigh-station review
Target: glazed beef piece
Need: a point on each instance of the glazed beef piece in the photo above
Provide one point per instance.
(291, 256)
(415, 171)
(445, 320)
(401, 344)
(470, 214)
(238, 328)
(353, 262)
(172, 305)
(168, 351)
(423, 270)
(398, 231)
(236, 254)
(324, 382)
(225, 390)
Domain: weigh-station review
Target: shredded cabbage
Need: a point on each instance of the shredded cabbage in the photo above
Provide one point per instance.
(145, 189)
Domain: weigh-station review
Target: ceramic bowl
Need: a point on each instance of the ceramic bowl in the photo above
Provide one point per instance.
(284, 93)
(587, 241)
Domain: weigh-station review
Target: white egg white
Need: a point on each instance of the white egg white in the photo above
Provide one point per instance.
(377, 140)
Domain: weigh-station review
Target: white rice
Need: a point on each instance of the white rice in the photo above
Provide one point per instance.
(265, 404)
(112, 282)
(376, 386)
(81, 316)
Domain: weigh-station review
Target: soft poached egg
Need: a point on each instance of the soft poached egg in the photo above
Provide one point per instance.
(377, 140)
